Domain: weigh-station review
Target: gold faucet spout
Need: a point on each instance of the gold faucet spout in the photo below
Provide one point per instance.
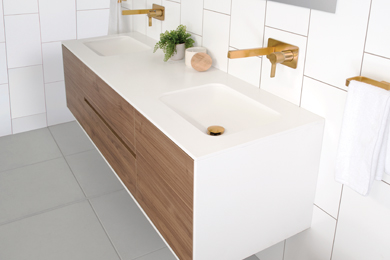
(157, 12)
(250, 52)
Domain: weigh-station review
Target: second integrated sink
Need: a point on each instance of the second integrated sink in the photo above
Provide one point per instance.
(217, 104)
(116, 45)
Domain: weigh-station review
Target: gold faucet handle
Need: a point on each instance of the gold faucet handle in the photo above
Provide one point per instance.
(279, 57)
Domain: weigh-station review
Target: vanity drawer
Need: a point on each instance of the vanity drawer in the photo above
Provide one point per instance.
(115, 150)
(171, 216)
(165, 186)
(116, 111)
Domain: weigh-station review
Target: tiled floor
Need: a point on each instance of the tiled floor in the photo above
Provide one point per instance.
(60, 200)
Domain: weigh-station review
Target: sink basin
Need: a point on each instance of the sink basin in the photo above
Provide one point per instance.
(217, 104)
(116, 46)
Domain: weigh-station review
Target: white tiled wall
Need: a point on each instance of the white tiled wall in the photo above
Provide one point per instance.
(32, 93)
(333, 47)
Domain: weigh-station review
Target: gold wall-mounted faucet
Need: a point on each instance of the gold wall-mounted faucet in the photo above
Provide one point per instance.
(157, 12)
(277, 52)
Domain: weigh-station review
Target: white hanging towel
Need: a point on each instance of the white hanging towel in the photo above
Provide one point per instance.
(361, 151)
(115, 17)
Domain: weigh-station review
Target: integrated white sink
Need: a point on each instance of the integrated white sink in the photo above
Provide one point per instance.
(116, 46)
(217, 104)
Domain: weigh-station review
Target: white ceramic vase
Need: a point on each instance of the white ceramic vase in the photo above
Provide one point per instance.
(180, 50)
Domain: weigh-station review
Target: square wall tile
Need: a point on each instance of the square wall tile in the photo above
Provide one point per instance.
(37, 187)
(28, 123)
(92, 4)
(315, 242)
(172, 16)
(378, 30)
(20, 7)
(295, 18)
(5, 113)
(93, 173)
(27, 91)
(58, 20)
(3, 65)
(57, 111)
(53, 67)
(140, 21)
(198, 39)
(326, 61)
(92, 23)
(221, 6)
(287, 82)
(247, 24)
(27, 148)
(376, 67)
(363, 229)
(128, 228)
(216, 38)
(192, 15)
(23, 40)
(71, 232)
(327, 102)
(71, 138)
(162, 254)
(153, 31)
(2, 38)
(247, 69)
(274, 252)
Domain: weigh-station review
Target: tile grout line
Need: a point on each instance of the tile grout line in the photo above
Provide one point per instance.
(87, 199)
(58, 207)
(151, 252)
(324, 83)
(304, 62)
(337, 222)
(104, 229)
(230, 33)
(262, 44)
(286, 31)
(365, 39)
(6, 58)
(43, 71)
(373, 54)
(324, 211)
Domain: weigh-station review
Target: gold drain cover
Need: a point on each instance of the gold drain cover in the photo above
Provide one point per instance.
(215, 130)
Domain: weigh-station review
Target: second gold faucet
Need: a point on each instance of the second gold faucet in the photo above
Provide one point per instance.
(157, 12)
(277, 52)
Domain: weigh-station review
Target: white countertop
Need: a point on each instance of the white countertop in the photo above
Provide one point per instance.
(142, 78)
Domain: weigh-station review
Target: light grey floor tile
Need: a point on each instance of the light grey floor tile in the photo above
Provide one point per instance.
(72, 232)
(93, 173)
(129, 230)
(37, 187)
(162, 254)
(71, 138)
(27, 148)
(253, 257)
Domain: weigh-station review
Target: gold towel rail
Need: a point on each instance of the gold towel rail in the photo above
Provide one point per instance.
(382, 84)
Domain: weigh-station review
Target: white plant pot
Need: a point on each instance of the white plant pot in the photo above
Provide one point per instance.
(179, 55)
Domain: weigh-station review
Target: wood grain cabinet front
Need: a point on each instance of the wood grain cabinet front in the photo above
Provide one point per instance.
(81, 99)
(154, 169)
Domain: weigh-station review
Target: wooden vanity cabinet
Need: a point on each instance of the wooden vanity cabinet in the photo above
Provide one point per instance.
(116, 144)
(155, 170)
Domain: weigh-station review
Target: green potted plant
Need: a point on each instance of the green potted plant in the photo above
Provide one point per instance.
(174, 43)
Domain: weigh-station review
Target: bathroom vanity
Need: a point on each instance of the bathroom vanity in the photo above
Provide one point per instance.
(210, 197)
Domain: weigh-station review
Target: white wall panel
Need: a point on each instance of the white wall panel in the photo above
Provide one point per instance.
(247, 24)
(216, 38)
(53, 67)
(27, 91)
(378, 36)
(20, 7)
(57, 111)
(3, 65)
(92, 23)
(23, 40)
(5, 113)
(192, 15)
(58, 20)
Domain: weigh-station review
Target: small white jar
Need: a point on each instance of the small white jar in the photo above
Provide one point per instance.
(190, 52)
(179, 55)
